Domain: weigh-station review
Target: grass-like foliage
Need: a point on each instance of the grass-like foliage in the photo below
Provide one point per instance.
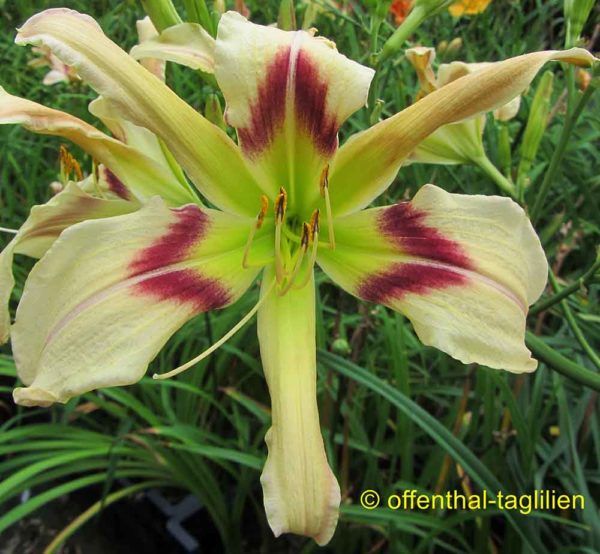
(395, 414)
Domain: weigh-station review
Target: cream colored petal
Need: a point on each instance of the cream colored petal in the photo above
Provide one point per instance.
(452, 71)
(368, 162)
(456, 143)
(421, 58)
(42, 228)
(186, 44)
(147, 31)
(287, 94)
(211, 159)
(301, 494)
(101, 303)
(144, 177)
(462, 268)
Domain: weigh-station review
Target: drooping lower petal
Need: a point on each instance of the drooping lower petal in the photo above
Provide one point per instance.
(101, 303)
(301, 494)
(210, 158)
(42, 228)
(462, 268)
(287, 94)
(368, 162)
(144, 176)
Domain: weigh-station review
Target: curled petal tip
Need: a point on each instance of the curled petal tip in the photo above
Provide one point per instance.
(33, 396)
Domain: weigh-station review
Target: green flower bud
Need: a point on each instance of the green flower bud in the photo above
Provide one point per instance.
(536, 125)
(286, 19)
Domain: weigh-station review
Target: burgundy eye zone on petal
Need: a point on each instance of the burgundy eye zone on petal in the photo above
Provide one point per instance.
(159, 276)
(289, 70)
(444, 262)
(115, 184)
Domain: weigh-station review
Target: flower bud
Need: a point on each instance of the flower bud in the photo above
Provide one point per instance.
(536, 125)
(576, 14)
(286, 20)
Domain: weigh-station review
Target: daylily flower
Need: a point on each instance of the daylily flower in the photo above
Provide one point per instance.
(468, 7)
(399, 9)
(461, 142)
(59, 72)
(106, 297)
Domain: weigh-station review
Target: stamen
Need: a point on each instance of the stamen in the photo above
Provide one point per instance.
(264, 205)
(306, 234)
(7, 230)
(324, 187)
(314, 228)
(280, 207)
(68, 165)
(220, 342)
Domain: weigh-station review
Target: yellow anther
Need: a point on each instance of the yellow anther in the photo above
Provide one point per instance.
(264, 206)
(280, 204)
(68, 165)
(260, 218)
(314, 230)
(324, 180)
(306, 235)
(314, 224)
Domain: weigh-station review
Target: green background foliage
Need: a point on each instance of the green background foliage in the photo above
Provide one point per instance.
(395, 414)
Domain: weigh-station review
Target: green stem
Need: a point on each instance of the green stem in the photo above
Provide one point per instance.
(574, 325)
(559, 152)
(566, 291)
(162, 13)
(401, 34)
(494, 173)
(561, 364)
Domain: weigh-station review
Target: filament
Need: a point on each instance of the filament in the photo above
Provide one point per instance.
(324, 188)
(280, 207)
(220, 342)
(314, 228)
(7, 230)
(306, 233)
(259, 221)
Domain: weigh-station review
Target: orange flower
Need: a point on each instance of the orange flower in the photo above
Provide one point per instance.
(399, 9)
(468, 7)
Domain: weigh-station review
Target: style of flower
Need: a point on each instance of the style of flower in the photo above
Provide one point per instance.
(110, 291)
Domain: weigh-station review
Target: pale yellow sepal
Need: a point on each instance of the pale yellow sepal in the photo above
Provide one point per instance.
(368, 162)
(98, 307)
(129, 164)
(479, 317)
(186, 44)
(301, 494)
(42, 228)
